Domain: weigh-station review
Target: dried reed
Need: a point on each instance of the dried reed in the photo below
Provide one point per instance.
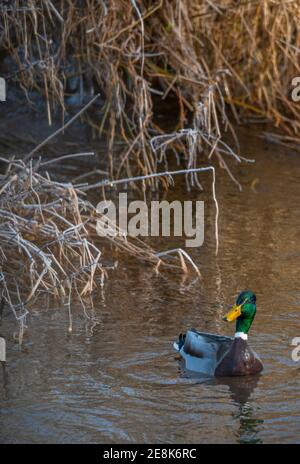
(210, 55)
(48, 241)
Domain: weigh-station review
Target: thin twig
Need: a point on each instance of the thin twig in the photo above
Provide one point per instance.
(169, 174)
(42, 144)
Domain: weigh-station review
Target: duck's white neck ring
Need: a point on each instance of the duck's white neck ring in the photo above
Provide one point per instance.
(241, 335)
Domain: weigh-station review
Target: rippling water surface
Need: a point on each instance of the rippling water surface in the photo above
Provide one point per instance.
(121, 381)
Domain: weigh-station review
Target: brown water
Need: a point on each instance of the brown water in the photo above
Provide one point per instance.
(122, 382)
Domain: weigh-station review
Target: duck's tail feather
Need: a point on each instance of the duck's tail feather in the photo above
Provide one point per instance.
(179, 343)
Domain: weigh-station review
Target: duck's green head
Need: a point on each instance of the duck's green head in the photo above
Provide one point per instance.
(243, 311)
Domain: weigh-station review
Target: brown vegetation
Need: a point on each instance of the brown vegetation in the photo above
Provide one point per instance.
(225, 62)
(211, 55)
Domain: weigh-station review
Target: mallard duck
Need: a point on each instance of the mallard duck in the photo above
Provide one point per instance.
(220, 355)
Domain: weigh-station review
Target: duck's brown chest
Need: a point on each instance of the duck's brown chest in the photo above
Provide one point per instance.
(239, 360)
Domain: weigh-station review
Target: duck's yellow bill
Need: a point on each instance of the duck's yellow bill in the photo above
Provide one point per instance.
(233, 314)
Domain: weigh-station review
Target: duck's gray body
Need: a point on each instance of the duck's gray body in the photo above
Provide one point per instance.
(202, 351)
(217, 355)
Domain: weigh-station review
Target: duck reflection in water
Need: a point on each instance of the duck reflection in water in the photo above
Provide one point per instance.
(240, 392)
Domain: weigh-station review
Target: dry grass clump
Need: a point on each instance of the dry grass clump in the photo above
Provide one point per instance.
(44, 243)
(259, 43)
(208, 54)
(49, 244)
(131, 52)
